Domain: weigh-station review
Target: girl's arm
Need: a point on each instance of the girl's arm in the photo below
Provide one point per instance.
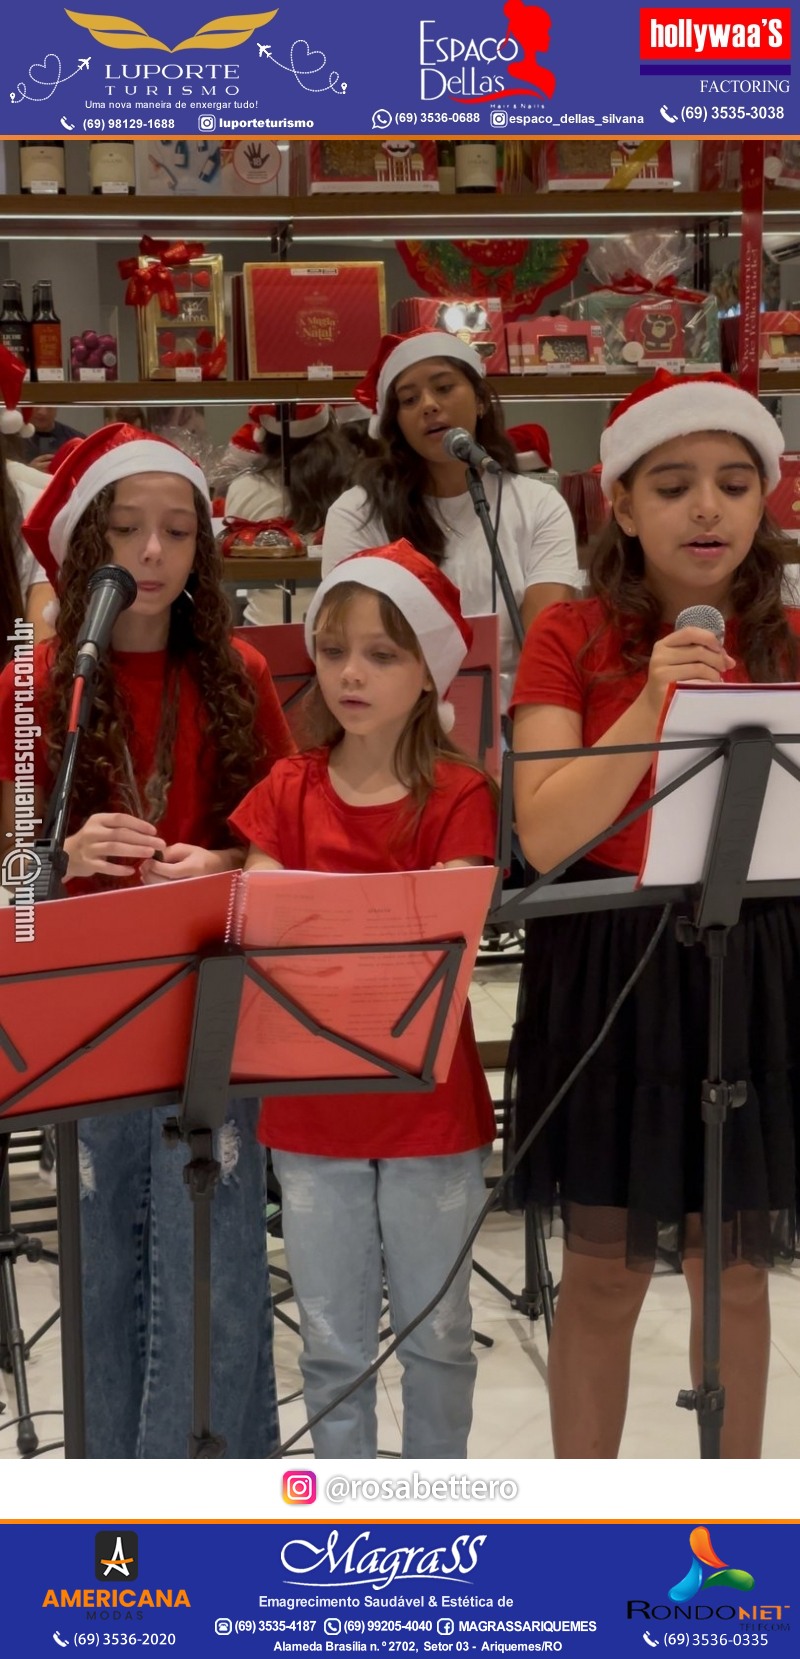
(183, 859)
(40, 595)
(256, 860)
(560, 804)
(104, 836)
(538, 597)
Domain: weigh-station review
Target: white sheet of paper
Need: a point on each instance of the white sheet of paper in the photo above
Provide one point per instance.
(680, 827)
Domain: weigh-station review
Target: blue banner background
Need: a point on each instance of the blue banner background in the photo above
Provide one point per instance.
(354, 69)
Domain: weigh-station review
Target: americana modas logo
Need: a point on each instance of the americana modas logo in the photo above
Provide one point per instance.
(116, 1557)
(218, 35)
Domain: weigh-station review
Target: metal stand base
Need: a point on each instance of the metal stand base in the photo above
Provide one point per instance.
(14, 1350)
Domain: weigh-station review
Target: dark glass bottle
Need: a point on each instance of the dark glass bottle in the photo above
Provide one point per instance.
(48, 357)
(15, 330)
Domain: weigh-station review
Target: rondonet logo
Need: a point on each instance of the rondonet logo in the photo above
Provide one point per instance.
(713, 34)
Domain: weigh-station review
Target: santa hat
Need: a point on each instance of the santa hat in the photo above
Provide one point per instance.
(265, 417)
(673, 406)
(429, 601)
(87, 467)
(532, 446)
(348, 414)
(398, 352)
(12, 378)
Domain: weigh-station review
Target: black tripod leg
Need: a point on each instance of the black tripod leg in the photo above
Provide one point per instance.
(69, 1276)
(12, 1338)
(536, 1251)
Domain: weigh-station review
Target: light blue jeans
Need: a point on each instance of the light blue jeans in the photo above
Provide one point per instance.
(136, 1243)
(337, 1214)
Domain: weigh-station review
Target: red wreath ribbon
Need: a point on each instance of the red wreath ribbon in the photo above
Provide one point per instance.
(632, 282)
(243, 531)
(155, 281)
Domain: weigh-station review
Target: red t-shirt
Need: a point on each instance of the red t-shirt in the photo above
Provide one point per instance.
(297, 818)
(140, 678)
(556, 668)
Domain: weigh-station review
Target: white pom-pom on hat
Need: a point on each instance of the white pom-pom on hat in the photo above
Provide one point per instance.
(447, 717)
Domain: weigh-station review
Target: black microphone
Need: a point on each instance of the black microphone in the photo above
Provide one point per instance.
(703, 616)
(458, 444)
(111, 590)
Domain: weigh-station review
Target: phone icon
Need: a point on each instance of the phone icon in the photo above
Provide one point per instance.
(59, 1639)
(69, 128)
(673, 119)
(650, 1640)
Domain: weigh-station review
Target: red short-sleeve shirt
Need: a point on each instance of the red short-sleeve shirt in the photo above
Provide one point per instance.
(297, 818)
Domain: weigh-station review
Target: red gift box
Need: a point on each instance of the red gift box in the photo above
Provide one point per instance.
(538, 344)
(591, 163)
(313, 320)
(360, 165)
(477, 321)
(784, 502)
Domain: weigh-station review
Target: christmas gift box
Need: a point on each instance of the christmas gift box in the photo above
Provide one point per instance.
(357, 165)
(597, 163)
(784, 502)
(316, 320)
(648, 320)
(254, 167)
(178, 167)
(780, 339)
(478, 322)
(182, 335)
(539, 345)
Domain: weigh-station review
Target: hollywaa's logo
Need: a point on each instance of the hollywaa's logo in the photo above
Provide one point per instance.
(450, 65)
(220, 34)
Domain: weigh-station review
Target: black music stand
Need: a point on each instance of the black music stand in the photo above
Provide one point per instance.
(747, 755)
(187, 996)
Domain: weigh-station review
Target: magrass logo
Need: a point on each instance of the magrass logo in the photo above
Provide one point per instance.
(704, 1557)
(116, 1557)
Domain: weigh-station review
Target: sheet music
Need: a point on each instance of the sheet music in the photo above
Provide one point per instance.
(679, 828)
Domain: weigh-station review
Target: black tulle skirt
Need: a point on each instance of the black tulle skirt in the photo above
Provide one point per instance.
(622, 1157)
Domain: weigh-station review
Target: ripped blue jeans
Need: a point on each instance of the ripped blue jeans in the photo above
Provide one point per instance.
(341, 1217)
(136, 1244)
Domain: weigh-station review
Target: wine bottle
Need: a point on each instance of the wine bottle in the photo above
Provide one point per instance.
(15, 329)
(48, 357)
(112, 169)
(42, 167)
(476, 166)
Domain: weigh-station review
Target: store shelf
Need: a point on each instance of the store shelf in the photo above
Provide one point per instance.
(601, 388)
(384, 218)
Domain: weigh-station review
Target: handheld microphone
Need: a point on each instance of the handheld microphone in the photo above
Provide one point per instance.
(111, 590)
(458, 444)
(703, 616)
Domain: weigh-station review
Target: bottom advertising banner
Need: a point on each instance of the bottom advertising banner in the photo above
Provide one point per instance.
(584, 1590)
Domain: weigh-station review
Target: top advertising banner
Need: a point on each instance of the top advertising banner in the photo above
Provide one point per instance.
(462, 68)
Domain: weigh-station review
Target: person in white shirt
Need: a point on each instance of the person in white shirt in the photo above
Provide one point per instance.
(420, 385)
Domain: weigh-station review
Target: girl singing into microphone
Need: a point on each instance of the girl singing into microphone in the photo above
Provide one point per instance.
(420, 386)
(184, 721)
(687, 464)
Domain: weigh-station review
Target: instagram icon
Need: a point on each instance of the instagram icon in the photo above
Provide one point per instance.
(300, 1486)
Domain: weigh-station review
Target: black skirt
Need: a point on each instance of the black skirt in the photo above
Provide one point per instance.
(622, 1157)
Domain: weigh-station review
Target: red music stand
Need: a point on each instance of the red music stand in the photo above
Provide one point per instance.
(236, 979)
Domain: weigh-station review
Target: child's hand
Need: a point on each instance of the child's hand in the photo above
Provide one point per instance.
(180, 861)
(689, 654)
(107, 836)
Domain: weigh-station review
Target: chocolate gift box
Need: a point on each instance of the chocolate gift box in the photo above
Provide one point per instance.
(537, 345)
(594, 163)
(186, 345)
(313, 320)
(780, 339)
(358, 165)
(478, 322)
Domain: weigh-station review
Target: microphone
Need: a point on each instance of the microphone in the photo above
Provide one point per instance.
(703, 616)
(111, 590)
(458, 444)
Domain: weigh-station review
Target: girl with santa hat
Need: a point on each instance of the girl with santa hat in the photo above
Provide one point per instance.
(686, 464)
(421, 385)
(183, 722)
(24, 589)
(372, 1177)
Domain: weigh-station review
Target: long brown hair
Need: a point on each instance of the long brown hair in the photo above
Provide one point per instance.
(12, 598)
(422, 743)
(199, 638)
(396, 483)
(767, 646)
(320, 468)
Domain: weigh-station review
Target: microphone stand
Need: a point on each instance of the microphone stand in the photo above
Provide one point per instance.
(481, 505)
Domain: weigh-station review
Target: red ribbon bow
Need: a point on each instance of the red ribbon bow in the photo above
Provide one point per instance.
(155, 281)
(632, 282)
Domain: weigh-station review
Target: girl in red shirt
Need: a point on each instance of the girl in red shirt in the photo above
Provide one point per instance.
(367, 1175)
(183, 722)
(687, 465)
